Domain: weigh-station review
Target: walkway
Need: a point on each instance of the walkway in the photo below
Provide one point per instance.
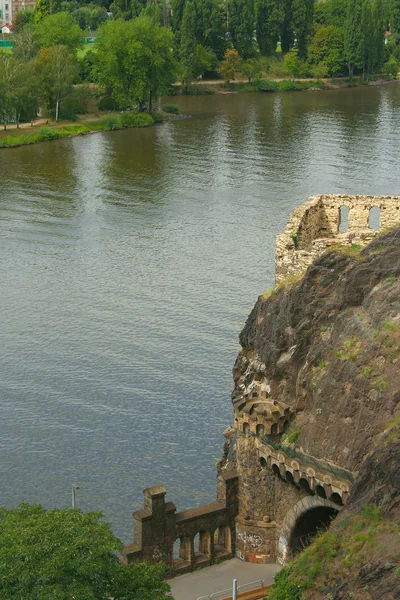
(219, 577)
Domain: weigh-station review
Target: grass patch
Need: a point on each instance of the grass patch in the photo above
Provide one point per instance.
(349, 350)
(172, 109)
(292, 437)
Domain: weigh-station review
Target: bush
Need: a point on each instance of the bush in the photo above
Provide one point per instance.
(267, 85)
(289, 85)
(173, 109)
(391, 67)
(47, 133)
(284, 589)
(110, 122)
(131, 119)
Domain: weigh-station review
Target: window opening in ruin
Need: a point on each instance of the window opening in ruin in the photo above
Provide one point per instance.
(344, 219)
(196, 543)
(260, 430)
(303, 483)
(176, 549)
(274, 429)
(310, 524)
(222, 540)
(374, 220)
(276, 470)
(337, 499)
(320, 491)
(289, 477)
(263, 462)
(246, 429)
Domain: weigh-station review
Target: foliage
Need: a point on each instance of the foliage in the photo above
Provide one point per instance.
(195, 58)
(131, 119)
(58, 68)
(230, 64)
(292, 437)
(173, 109)
(293, 65)
(391, 67)
(267, 85)
(134, 60)
(111, 122)
(44, 8)
(22, 18)
(327, 49)
(241, 26)
(269, 17)
(26, 44)
(59, 29)
(284, 588)
(58, 554)
(18, 90)
(253, 69)
(302, 23)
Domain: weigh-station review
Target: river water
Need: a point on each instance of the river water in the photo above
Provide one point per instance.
(128, 264)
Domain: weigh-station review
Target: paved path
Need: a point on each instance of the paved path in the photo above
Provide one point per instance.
(219, 577)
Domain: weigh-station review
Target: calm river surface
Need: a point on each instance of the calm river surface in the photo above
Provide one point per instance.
(128, 264)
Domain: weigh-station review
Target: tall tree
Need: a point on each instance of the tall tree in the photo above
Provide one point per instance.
(135, 60)
(287, 37)
(59, 29)
(303, 11)
(353, 36)
(44, 8)
(58, 68)
(269, 17)
(211, 26)
(241, 26)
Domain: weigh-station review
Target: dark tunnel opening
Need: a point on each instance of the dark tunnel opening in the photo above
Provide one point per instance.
(308, 525)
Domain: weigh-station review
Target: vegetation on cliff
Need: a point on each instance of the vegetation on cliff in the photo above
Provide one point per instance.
(330, 345)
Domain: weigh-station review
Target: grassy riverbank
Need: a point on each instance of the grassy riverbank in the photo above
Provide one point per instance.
(88, 124)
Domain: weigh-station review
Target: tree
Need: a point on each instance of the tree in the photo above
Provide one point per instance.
(230, 64)
(59, 29)
(135, 60)
(241, 26)
(21, 18)
(253, 69)
(353, 36)
(287, 37)
(302, 15)
(269, 16)
(211, 26)
(44, 8)
(126, 9)
(58, 554)
(326, 48)
(58, 68)
(26, 45)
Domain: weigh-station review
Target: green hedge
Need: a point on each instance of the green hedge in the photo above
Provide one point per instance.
(131, 119)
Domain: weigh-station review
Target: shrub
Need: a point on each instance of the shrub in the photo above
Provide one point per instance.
(391, 67)
(47, 133)
(289, 85)
(173, 109)
(284, 589)
(110, 122)
(131, 119)
(267, 85)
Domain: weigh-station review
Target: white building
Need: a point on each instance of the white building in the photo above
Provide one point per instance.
(5, 12)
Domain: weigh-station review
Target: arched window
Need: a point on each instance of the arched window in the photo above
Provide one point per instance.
(320, 491)
(276, 470)
(374, 220)
(263, 462)
(246, 429)
(274, 428)
(260, 430)
(303, 483)
(344, 219)
(337, 499)
(289, 477)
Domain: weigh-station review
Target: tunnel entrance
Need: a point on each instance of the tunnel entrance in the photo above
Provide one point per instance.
(308, 525)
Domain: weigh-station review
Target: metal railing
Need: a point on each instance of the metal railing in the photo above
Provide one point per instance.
(245, 587)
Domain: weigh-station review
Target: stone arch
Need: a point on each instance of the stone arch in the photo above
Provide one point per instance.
(260, 429)
(302, 512)
(374, 217)
(222, 541)
(263, 462)
(336, 498)
(274, 428)
(246, 429)
(181, 551)
(343, 221)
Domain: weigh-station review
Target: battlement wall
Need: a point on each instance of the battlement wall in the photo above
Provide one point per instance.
(329, 219)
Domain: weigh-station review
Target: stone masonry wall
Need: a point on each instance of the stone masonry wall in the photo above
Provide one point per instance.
(315, 225)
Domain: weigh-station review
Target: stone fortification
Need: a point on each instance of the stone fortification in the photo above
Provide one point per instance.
(188, 540)
(330, 219)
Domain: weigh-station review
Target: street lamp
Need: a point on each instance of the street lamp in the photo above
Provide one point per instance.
(74, 489)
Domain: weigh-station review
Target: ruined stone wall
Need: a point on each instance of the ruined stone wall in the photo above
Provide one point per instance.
(315, 225)
(188, 540)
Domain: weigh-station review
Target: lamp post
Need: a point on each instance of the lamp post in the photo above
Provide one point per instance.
(74, 489)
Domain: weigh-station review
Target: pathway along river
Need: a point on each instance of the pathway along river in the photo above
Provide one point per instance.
(128, 264)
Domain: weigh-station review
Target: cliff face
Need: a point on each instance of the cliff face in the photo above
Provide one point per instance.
(328, 346)
(316, 385)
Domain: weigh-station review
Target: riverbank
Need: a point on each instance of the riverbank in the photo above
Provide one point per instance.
(45, 130)
(279, 84)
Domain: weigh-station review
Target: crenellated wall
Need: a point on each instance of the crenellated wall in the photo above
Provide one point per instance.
(320, 222)
(188, 540)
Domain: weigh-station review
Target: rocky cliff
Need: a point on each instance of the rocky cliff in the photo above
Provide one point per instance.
(323, 349)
